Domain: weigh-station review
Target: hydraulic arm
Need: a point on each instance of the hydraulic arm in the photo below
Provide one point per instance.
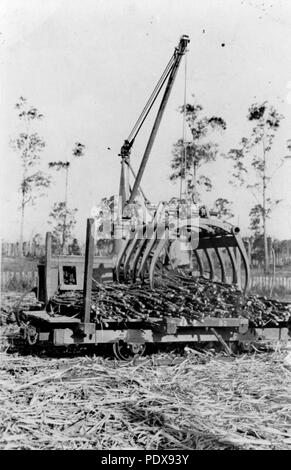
(168, 75)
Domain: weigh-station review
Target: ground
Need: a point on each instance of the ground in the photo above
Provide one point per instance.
(92, 403)
(206, 401)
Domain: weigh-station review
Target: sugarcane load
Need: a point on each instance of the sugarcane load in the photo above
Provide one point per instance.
(174, 273)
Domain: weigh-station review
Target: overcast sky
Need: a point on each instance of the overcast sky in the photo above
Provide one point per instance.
(89, 67)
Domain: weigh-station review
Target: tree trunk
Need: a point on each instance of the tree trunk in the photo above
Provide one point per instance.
(266, 254)
(21, 229)
(65, 214)
(194, 195)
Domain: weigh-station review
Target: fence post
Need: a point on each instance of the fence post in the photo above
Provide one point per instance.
(47, 265)
(88, 273)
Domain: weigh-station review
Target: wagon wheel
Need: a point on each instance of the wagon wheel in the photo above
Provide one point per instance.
(17, 306)
(32, 334)
(126, 352)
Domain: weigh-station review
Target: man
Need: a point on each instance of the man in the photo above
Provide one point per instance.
(74, 248)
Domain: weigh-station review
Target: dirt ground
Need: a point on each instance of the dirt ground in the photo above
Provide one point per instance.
(92, 403)
(88, 402)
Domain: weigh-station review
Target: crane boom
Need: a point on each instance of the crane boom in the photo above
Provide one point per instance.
(171, 73)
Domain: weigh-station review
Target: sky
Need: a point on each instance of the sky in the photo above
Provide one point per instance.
(89, 67)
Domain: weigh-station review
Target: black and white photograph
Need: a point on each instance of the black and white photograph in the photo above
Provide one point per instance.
(145, 218)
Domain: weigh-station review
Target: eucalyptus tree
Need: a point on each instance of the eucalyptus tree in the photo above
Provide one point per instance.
(189, 156)
(29, 145)
(61, 215)
(255, 163)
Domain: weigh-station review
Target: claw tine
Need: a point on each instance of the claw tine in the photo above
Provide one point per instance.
(200, 263)
(220, 257)
(210, 262)
(233, 264)
(162, 243)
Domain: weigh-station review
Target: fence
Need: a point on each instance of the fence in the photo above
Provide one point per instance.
(266, 282)
(15, 280)
(11, 280)
(30, 249)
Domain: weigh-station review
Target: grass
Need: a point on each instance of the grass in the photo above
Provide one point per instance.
(278, 292)
(92, 403)
(19, 264)
(21, 284)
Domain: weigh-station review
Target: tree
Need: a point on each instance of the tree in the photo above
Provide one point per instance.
(62, 232)
(61, 209)
(29, 146)
(252, 165)
(188, 157)
(223, 208)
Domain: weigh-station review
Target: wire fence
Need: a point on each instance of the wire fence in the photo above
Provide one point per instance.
(281, 255)
(18, 280)
(11, 280)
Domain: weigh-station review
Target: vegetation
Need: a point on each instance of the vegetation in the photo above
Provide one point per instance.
(63, 222)
(189, 156)
(253, 162)
(63, 218)
(253, 166)
(29, 146)
(223, 207)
